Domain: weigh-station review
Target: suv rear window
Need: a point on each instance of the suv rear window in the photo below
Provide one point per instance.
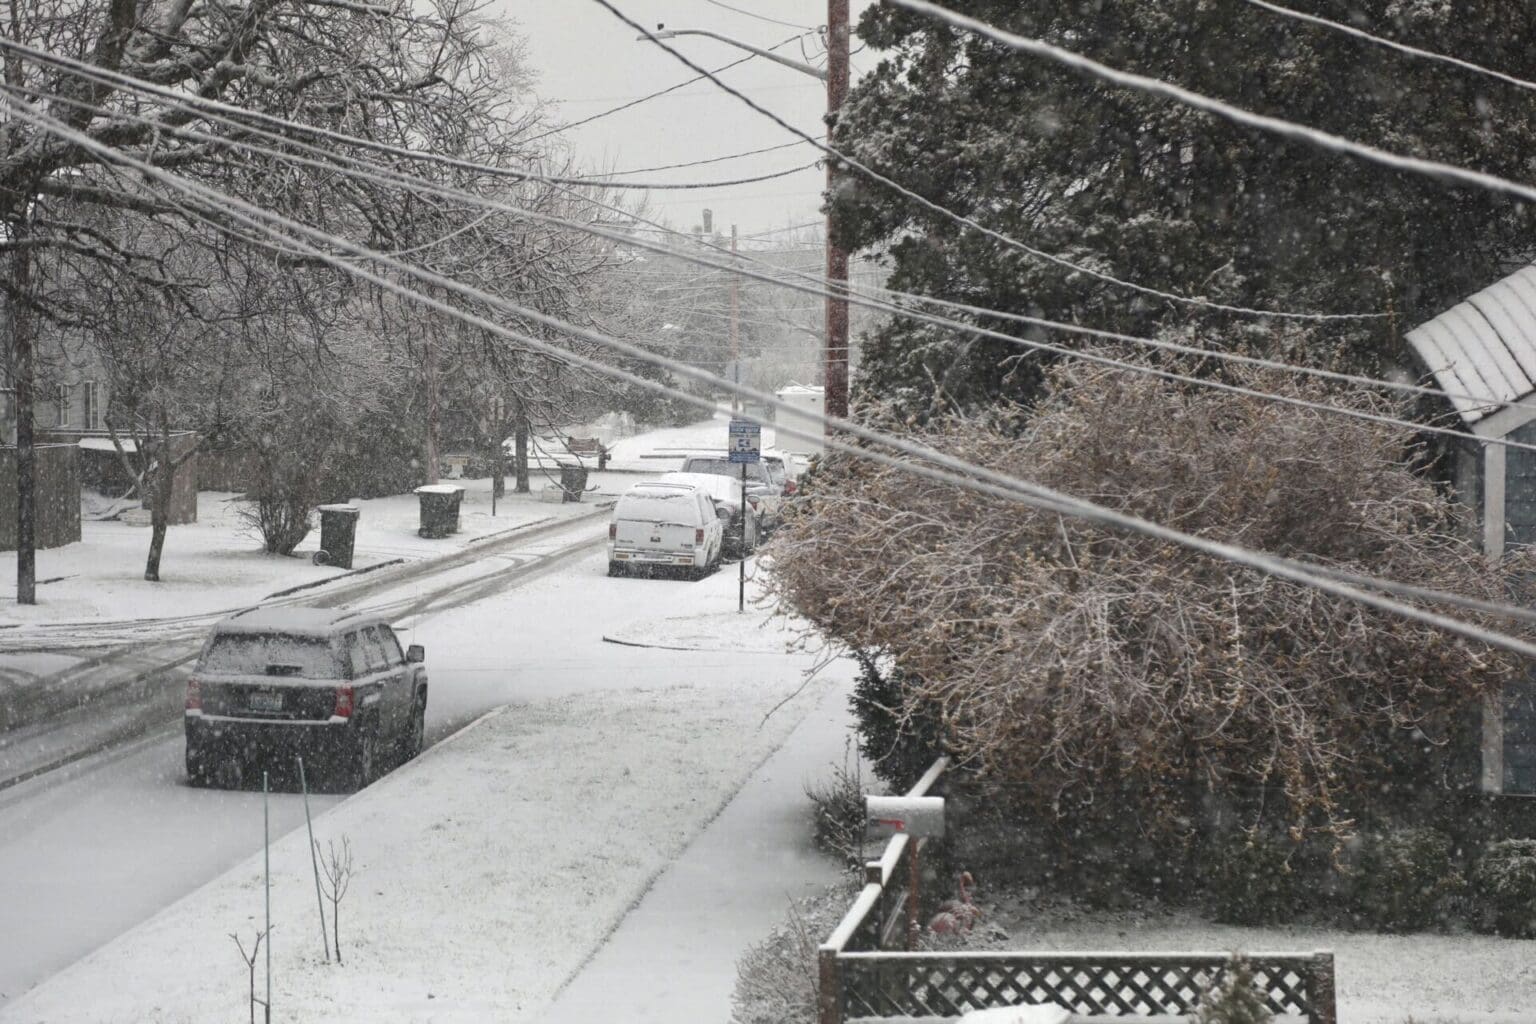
(678, 506)
(269, 654)
(725, 467)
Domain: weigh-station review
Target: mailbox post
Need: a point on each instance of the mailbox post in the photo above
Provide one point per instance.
(917, 818)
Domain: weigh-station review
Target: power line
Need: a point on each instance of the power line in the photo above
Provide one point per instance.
(760, 17)
(1391, 44)
(699, 163)
(819, 286)
(392, 178)
(680, 186)
(792, 227)
(660, 92)
(935, 465)
(976, 225)
(1238, 115)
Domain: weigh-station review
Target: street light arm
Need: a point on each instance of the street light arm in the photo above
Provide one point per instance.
(806, 69)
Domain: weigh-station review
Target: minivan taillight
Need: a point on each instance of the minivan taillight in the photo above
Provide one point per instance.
(613, 531)
(343, 702)
(194, 694)
(698, 535)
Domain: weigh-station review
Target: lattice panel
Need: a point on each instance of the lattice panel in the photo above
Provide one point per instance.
(1108, 986)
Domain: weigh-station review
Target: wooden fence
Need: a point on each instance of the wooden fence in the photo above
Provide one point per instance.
(57, 504)
(864, 977)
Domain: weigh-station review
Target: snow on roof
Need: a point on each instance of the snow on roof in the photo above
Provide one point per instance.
(315, 622)
(1485, 347)
(104, 444)
(721, 488)
(662, 485)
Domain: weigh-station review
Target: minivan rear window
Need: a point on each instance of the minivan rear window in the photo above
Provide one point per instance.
(660, 507)
(269, 654)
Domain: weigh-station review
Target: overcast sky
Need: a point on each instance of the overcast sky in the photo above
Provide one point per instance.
(588, 62)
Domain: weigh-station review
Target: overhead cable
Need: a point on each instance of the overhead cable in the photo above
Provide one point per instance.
(962, 219)
(658, 93)
(695, 163)
(1238, 115)
(1391, 44)
(328, 161)
(891, 451)
(759, 17)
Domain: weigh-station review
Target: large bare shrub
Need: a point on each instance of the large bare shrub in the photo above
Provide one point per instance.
(1070, 663)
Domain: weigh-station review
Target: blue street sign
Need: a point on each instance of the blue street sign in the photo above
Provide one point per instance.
(746, 441)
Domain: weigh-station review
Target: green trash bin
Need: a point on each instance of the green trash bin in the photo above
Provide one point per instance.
(338, 532)
(439, 509)
(573, 481)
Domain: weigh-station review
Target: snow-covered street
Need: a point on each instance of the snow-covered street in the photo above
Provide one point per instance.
(679, 692)
(520, 844)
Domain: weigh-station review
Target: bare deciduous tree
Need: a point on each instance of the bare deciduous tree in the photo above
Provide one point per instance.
(335, 878)
(410, 75)
(250, 964)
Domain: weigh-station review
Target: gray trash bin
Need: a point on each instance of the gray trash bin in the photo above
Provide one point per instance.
(338, 533)
(573, 481)
(439, 509)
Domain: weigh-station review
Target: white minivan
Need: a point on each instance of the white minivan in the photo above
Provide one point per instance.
(665, 525)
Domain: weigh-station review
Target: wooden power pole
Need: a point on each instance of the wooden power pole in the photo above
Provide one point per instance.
(835, 376)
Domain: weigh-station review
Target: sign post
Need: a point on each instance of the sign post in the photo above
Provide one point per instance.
(746, 445)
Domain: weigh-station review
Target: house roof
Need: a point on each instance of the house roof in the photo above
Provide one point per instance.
(1485, 347)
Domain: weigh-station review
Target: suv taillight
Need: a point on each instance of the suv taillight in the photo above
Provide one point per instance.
(698, 535)
(789, 488)
(343, 702)
(613, 531)
(194, 694)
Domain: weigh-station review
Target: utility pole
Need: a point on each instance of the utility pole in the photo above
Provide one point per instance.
(25, 372)
(835, 357)
(735, 325)
(835, 377)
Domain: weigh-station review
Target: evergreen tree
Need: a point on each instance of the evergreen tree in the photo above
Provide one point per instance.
(1157, 193)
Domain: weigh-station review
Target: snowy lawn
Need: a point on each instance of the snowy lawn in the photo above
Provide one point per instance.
(1381, 979)
(487, 872)
(217, 562)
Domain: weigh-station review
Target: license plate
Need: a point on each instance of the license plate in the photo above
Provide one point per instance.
(655, 540)
(266, 702)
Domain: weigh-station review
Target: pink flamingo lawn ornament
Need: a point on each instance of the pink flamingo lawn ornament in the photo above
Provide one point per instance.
(958, 915)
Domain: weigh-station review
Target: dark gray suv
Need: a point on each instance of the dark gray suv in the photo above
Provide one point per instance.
(331, 686)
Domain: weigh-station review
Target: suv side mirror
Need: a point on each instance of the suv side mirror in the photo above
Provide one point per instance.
(415, 654)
